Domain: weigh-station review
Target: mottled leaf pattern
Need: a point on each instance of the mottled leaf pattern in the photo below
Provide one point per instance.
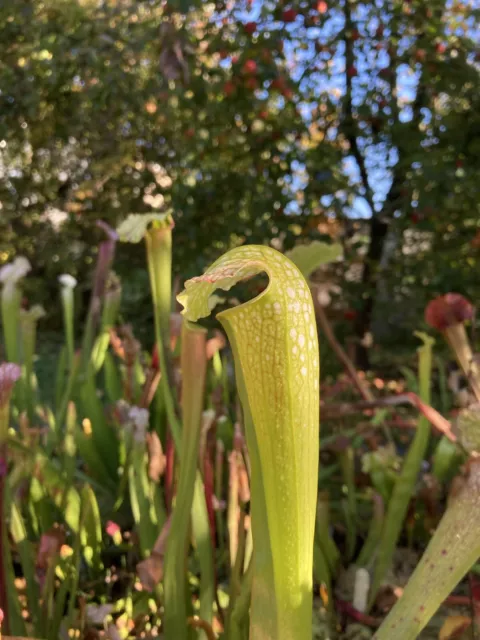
(276, 347)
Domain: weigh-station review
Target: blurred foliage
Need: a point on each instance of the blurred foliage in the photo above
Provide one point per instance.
(254, 121)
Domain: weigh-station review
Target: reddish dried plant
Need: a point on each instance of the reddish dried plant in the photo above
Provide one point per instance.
(448, 314)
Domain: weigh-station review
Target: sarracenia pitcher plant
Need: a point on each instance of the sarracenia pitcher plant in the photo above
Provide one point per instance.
(275, 347)
(455, 545)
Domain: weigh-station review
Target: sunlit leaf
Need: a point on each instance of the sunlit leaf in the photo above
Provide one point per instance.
(275, 346)
(136, 224)
(309, 257)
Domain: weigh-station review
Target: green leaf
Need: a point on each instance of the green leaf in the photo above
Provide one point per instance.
(453, 549)
(309, 257)
(27, 559)
(194, 367)
(66, 498)
(91, 528)
(143, 500)
(405, 484)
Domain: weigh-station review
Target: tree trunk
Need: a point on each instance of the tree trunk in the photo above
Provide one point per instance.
(378, 234)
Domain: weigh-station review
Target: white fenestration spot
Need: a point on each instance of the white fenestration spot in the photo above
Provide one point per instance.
(277, 307)
(303, 371)
(291, 292)
(293, 333)
(301, 340)
(312, 331)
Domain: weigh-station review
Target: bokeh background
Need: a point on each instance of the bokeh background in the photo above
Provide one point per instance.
(254, 122)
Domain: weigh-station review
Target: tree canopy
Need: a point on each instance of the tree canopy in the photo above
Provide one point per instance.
(250, 121)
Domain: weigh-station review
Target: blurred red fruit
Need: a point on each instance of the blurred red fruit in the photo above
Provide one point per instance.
(415, 218)
(278, 83)
(250, 28)
(420, 55)
(228, 88)
(355, 35)
(441, 47)
(352, 71)
(251, 83)
(289, 15)
(476, 240)
(250, 67)
(322, 6)
(266, 55)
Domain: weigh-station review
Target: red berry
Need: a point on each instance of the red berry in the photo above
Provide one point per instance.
(250, 67)
(223, 54)
(420, 55)
(352, 71)
(278, 83)
(414, 218)
(266, 55)
(355, 35)
(263, 115)
(289, 15)
(251, 83)
(322, 6)
(441, 47)
(228, 88)
(250, 27)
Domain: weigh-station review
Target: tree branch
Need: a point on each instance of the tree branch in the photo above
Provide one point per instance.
(349, 121)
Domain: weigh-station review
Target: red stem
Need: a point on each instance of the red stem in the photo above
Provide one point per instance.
(169, 471)
(3, 541)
